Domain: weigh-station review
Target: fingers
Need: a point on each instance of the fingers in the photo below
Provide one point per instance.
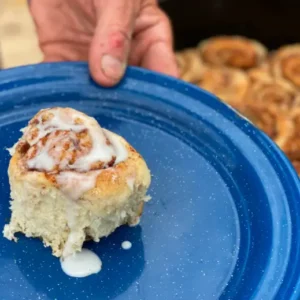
(160, 58)
(64, 29)
(111, 43)
(153, 45)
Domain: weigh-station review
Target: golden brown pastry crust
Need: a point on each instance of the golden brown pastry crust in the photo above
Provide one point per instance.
(232, 51)
(229, 85)
(266, 91)
(190, 65)
(292, 145)
(261, 73)
(267, 118)
(111, 182)
(296, 165)
(286, 64)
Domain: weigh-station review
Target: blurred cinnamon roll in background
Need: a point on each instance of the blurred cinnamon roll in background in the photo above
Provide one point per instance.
(292, 146)
(229, 85)
(190, 65)
(72, 180)
(274, 123)
(271, 93)
(232, 51)
(286, 64)
(263, 86)
(261, 73)
(296, 165)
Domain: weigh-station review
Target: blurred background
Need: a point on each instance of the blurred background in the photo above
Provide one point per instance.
(18, 42)
(274, 23)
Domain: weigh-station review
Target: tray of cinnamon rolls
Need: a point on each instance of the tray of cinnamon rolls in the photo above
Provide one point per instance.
(262, 85)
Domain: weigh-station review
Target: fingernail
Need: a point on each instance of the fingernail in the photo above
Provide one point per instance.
(112, 67)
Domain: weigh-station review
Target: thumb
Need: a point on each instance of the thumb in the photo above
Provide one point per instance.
(112, 40)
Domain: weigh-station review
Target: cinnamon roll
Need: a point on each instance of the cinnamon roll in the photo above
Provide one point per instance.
(190, 65)
(266, 90)
(292, 145)
(286, 64)
(261, 73)
(232, 51)
(268, 118)
(229, 85)
(72, 180)
(296, 165)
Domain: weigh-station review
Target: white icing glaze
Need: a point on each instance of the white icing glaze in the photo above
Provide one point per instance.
(126, 245)
(64, 119)
(120, 150)
(130, 182)
(147, 198)
(100, 150)
(81, 264)
(74, 236)
(136, 222)
(42, 161)
(23, 129)
(71, 211)
(12, 149)
(74, 184)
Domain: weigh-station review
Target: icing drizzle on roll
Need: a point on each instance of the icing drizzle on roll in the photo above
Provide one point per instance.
(65, 139)
(70, 147)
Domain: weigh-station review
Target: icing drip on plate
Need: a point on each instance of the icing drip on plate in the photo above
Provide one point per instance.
(81, 264)
(126, 245)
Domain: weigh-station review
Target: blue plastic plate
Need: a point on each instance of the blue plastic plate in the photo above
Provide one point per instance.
(224, 219)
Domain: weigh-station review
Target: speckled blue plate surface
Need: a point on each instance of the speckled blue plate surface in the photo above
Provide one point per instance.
(224, 219)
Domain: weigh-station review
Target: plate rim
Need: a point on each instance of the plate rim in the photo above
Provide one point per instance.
(258, 137)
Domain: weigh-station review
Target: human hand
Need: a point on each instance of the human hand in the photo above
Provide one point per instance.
(109, 34)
